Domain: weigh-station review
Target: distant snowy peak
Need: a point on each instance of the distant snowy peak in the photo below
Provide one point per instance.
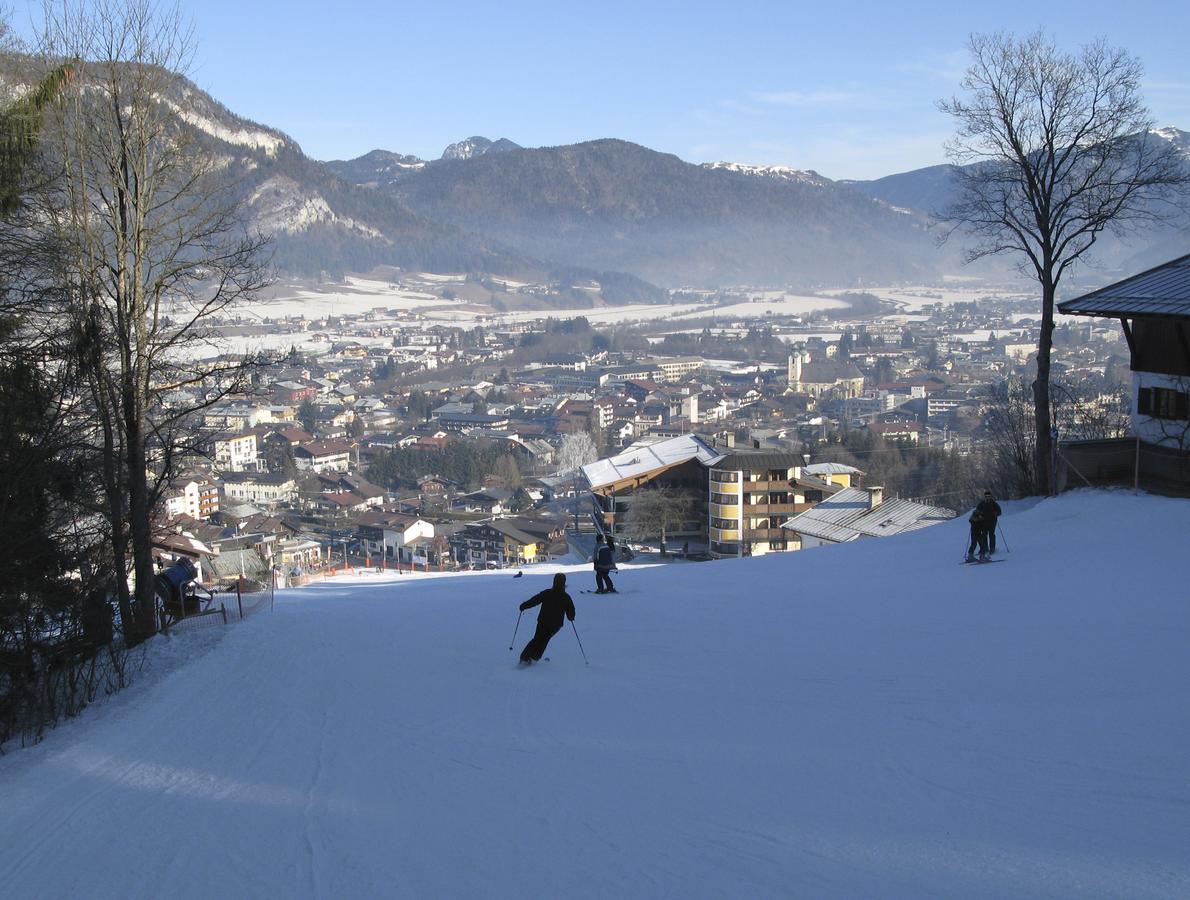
(395, 163)
(1175, 136)
(777, 173)
(478, 146)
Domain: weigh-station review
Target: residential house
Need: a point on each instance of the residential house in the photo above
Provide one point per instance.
(323, 456)
(197, 498)
(492, 501)
(259, 488)
(839, 474)
(237, 452)
(392, 535)
(905, 432)
(298, 555)
(293, 392)
(1154, 311)
(435, 486)
(494, 543)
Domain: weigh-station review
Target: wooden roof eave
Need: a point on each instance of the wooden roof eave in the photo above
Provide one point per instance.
(634, 481)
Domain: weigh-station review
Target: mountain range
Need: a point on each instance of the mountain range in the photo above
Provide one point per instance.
(606, 208)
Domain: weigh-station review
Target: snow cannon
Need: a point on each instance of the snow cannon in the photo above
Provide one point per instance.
(171, 584)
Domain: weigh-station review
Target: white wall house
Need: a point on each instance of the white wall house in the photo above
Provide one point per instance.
(260, 489)
(237, 452)
(194, 498)
(323, 456)
(1161, 409)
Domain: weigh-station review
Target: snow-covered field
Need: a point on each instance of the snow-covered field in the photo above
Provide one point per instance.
(915, 298)
(872, 720)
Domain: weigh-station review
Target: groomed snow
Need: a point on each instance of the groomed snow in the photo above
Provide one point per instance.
(869, 720)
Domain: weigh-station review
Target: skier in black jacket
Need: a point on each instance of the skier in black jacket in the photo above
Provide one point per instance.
(555, 604)
(989, 511)
(979, 536)
(605, 561)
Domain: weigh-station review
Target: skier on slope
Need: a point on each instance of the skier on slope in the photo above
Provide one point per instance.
(555, 604)
(605, 562)
(979, 536)
(989, 509)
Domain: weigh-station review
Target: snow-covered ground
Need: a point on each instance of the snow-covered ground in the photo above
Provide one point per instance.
(918, 297)
(872, 720)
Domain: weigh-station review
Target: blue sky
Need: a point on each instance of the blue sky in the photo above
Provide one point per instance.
(847, 89)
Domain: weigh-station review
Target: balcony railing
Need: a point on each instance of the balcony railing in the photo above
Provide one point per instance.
(776, 509)
(771, 535)
(767, 484)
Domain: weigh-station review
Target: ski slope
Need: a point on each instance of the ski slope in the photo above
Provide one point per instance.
(871, 720)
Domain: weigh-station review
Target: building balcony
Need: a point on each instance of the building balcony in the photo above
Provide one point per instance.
(723, 511)
(767, 484)
(776, 509)
(769, 535)
(724, 534)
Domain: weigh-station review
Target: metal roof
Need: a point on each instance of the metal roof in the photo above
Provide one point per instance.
(742, 460)
(640, 459)
(1163, 292)
(847, 516)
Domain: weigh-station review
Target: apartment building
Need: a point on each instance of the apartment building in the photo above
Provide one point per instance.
(196, 498)
(238, 452)
(751, 494)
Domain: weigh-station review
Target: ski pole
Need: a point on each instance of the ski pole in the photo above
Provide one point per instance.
(514, 631)
(1003, 541)
(580, 644)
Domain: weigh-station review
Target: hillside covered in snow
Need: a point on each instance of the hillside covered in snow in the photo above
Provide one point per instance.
(872, 719)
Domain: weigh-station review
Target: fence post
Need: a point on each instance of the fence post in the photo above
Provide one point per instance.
(1136, 469)
(240, 597)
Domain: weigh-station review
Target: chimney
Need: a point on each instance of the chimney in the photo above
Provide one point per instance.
(875, 496)
(731, 439)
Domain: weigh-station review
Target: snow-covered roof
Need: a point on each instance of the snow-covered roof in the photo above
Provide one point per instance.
(848, 516)
(640, 459)
(831, 468)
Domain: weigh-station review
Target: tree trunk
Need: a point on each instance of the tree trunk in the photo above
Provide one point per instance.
(138, 517)
(1043, 419)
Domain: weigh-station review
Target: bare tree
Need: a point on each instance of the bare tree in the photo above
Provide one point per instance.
(149, 247)
(1010, 469)
(1091, 412)
(1053, 149)
(578, 449)
(657, 512)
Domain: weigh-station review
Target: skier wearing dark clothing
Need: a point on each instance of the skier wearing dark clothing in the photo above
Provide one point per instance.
(979, 536)
(989, 509)
(605, 561)
(556, 606)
